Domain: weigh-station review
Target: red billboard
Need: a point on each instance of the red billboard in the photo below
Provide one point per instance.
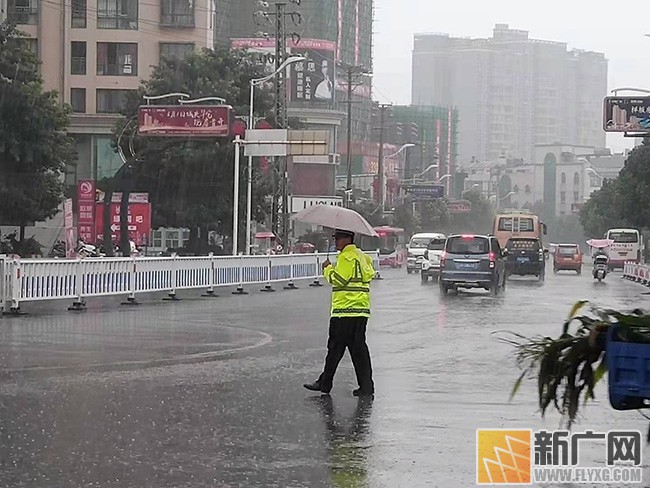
(178, 120)
(86, 210)
(139, 222)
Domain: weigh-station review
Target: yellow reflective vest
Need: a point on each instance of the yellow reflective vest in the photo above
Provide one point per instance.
(350, 280)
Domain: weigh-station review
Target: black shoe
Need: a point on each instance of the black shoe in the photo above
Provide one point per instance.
(358, 393)
(315, 386)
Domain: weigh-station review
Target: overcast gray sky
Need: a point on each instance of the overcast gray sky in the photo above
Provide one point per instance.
(594, 25)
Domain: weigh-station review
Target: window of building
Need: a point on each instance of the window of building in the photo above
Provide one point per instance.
(528, 189)
(563, 197)
(177, 13)
(78, 58)
(172, 50)
(78, 14)
(516, 189)
(576, 179)
(22, 12)
(107, 161)
(576, 196)
(563, 178)
(117, 14)
(78, 100)
(118, 59)
(110, 101)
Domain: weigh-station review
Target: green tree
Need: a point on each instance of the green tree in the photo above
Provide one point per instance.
(190, 181)
(434, 215)
(480, 220)
(371, 211)
(602, 211)
(633, 188)
(34, 145)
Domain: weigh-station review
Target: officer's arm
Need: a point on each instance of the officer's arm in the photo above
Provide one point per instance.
(338, 275)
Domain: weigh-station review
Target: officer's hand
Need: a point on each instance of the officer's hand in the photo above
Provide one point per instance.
(326, 263)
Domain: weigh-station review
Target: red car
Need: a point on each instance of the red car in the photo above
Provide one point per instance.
(567, 257)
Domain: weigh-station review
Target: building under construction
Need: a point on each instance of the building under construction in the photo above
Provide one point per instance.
(346, 25)
(434, 132)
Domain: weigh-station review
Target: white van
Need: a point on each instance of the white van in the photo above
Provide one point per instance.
(416, 248)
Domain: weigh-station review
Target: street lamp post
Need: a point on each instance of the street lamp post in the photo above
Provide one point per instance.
(497, 200)
(382, 192)
(249, 196)
(476, 185)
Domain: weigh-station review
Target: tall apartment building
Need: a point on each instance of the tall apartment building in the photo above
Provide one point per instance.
(94, 51)
(512, 92)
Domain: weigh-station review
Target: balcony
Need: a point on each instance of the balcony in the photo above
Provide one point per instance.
(177, 20)
(109, 19)
(23, 14)
(114, 69)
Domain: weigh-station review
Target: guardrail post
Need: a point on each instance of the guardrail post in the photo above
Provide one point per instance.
(268, 288)
(130, 300)
(316, 282)
(210, 291)
(16, 286)
(171, 296)
(291, 285)
(377, 273)
(240, 289)
(3, 283)
(79, 305)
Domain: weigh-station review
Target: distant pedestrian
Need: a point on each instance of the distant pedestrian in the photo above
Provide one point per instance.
(350, 280)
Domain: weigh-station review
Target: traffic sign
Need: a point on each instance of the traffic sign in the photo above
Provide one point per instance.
(425, 192)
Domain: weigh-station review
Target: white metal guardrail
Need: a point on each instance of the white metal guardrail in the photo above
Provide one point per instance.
(26, 280)
(637, 272)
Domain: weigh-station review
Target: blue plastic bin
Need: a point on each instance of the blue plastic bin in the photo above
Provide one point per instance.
(628, 365)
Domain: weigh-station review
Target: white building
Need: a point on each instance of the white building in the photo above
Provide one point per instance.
(512, 92)
(560, 181)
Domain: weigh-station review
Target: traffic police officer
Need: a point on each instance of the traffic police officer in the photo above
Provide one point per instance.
(350, 280)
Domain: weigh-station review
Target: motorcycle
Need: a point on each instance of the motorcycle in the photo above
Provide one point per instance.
(601, 267)
(85, 250)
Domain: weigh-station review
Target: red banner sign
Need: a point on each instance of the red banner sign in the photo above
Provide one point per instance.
(139, 222)
(179, 120)
(459, 207)
(86, 210)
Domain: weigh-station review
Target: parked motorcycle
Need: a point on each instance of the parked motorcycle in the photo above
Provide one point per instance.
(601, 267)
(58, 250)
(85, 250)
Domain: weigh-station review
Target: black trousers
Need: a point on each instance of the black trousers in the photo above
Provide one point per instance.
(350, 333)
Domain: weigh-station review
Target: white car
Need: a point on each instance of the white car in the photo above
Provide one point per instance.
(432, 257)
(416, 249)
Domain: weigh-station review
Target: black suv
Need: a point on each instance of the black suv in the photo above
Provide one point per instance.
(472, 261)
(525, 257)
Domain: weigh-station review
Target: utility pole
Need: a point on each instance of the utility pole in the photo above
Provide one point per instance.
(383, 108)
(282, 119)
(351, 71)
(280, 211)
(348, 186)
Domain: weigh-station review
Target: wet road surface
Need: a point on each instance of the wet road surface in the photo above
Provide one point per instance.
(207, 392)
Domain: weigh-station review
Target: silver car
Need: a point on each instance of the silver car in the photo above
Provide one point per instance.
(473, 261)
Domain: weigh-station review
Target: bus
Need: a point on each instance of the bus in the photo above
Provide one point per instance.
(627, 246)
(517, 223)
(391, 244)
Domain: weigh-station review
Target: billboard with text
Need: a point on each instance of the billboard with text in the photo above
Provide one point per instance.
(626, 114)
